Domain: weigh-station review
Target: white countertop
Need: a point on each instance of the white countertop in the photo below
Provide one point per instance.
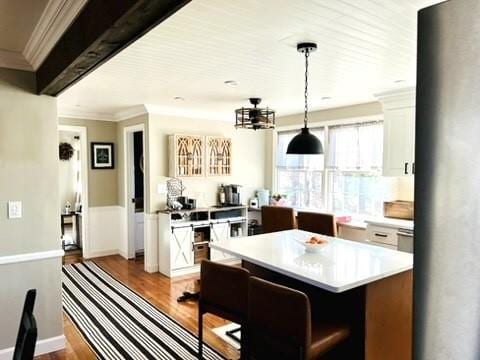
(340, 266)
(390, 222)
(361, 221)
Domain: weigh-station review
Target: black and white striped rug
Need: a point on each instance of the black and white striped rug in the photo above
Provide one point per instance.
(118, 323)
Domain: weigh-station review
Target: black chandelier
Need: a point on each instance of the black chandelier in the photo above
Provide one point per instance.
(305, 143)
(255, 118)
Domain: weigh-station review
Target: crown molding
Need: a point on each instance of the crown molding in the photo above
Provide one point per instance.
(55, 19)
(397, 98)
(130, 112)
(74, 112)
(14, 60)
(185, 113)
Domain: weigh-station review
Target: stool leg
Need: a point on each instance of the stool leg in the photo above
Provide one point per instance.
(243, 343)
(200, 333)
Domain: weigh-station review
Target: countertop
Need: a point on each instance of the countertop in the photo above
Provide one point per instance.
(360, 222)
(389, 222)
(211, 208)
(341, 265)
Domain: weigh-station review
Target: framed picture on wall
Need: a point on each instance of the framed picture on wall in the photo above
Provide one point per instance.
(102, 155)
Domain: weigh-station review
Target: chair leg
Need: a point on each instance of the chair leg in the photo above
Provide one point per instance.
(244, 351)
(200, 333)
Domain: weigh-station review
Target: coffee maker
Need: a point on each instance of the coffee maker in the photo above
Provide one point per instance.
(232, 195)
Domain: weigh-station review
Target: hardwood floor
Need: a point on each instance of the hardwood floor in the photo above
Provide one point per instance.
(161, 292)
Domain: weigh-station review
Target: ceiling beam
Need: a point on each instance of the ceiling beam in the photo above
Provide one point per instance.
(102, 29)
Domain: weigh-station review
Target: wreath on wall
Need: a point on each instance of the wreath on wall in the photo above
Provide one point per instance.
(65, 151)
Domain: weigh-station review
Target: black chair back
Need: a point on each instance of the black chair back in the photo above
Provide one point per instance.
(27, 333)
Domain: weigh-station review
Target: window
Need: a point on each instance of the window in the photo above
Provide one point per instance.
(300, 177)
(347, 178)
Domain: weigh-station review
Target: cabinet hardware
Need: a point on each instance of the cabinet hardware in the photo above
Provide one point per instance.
(381, 235)
(413, 168)
(406, 168)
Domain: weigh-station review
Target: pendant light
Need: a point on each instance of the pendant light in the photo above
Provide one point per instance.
(305, 143)
(255, 118)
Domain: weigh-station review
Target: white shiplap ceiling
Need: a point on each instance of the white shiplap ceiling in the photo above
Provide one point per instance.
(364, 46)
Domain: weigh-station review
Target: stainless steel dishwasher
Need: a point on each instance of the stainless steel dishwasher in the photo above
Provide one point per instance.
(405, 240)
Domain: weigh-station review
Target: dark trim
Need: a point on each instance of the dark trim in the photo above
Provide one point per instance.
(101, 30)
(92, 155)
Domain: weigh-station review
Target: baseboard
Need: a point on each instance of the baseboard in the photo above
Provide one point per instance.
(123, 254)
(43, 347)
(95, 254)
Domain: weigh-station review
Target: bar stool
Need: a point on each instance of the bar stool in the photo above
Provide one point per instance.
(223, 292)
(280, 325)
(318, 223)
(277, 218)
(27, 332)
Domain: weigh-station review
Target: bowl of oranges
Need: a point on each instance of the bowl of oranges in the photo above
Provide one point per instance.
(314, 244)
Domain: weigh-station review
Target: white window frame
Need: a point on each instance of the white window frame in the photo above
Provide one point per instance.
(320, 124)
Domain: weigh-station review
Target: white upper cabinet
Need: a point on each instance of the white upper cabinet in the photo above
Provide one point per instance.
(399, 132)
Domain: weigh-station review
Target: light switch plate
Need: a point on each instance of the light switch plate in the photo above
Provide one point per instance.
(14, 209)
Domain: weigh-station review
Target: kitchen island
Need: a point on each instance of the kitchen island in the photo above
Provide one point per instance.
(368, 286)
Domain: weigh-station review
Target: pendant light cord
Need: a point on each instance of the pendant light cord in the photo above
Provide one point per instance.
(305, 119)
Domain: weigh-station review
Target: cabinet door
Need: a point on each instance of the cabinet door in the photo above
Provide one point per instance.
(186, 156)
(181, 248)
(399, 142)
(219, 232)
(219, 156)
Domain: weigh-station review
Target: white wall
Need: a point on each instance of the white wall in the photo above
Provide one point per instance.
(248, 153)
(29, 173)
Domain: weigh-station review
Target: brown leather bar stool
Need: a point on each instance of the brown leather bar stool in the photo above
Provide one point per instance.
(318, 223)
(280, 325)
(277, 218)
(223, 292)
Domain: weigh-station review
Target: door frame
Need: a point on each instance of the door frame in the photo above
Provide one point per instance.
(128, 187)
(84, 177)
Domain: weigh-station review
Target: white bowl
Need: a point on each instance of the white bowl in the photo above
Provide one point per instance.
(312, 248)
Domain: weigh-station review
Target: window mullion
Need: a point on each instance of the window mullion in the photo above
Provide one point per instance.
(326, 159)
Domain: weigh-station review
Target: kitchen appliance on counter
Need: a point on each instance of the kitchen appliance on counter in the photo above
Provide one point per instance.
(263, 196)
(232, 195)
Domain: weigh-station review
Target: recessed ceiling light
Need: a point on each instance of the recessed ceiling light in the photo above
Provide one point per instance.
(399, 81)
(230, 83)
(179, 98)
(326, 98)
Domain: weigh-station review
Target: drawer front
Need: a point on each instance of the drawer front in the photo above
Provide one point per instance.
(382, 235)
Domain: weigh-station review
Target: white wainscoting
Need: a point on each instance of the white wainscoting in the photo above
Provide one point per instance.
(123, 240)
(42, 347)
(106, 231)
(151, 243)
(108, 235)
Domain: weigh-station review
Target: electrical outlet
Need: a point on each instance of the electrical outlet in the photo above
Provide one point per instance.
(162, 189)
(14, 209)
